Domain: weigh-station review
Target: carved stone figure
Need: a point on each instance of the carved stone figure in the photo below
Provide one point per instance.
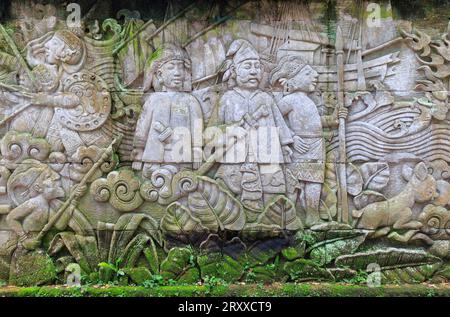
(256, 172)
(395, 213)
(302, 116)
(35, 188)
(134, 149)
(81, 101)
(170, 125)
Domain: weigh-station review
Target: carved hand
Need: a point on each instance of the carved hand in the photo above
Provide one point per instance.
(342, 113)
(300, 146)
(80, 190)
(287, 153)
(165, 135)
(39, 99)
(136, 156)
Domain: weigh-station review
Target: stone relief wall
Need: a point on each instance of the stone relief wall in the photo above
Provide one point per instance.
(246, 140)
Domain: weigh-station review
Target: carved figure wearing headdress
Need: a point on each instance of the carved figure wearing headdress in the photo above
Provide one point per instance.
(34, 189)
(80, 99)
(257, 170)
(302, 116)
(169, 129)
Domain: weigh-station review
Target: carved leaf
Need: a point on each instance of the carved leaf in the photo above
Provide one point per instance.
(390, 257)
(326, 251)
(302, 270)
(281, 212)
(126, 229)
(367, 197)
(354, 180)
(215, 207)
(409, 275)
(134, 249)
(151, 254)
(328, 202)
(375, 175)
(178, 220)
(179, 266)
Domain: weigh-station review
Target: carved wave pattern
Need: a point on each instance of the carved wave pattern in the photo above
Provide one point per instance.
(375, 137)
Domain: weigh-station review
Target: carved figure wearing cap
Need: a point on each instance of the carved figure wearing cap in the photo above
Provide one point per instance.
(255, 173)
(169, 129)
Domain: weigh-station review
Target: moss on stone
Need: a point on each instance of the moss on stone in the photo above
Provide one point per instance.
(179, 266)
(305, 270)
(224, 267)
(138, 274)
(32, 268)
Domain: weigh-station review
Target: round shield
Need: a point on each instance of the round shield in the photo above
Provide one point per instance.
(95, 102)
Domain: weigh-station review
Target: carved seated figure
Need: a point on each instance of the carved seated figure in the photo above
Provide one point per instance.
(27, 219)
(169, 129)
(35, 188)
(303, 118)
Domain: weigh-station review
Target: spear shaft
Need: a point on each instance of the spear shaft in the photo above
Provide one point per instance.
(343, 213)
(16, 52)
(72, 200)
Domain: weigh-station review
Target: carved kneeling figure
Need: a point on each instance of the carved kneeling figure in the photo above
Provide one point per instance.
(395, 213)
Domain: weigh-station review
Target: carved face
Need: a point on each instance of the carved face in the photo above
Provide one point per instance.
(249, 73)
(53, 47)
(423, 184)
(305, 80)
(172, 75)
(51, 187)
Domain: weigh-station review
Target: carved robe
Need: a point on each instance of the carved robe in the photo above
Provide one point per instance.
(258, 171)
(304, 121)
(170, 126)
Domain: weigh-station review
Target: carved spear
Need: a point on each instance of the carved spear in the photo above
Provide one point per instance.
(16, 52)
(343, 214)
(72, 200)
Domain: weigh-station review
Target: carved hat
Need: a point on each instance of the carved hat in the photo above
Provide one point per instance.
(287, 67)
(168, 52)
(70, 39)
(29, 173)
(241, 50)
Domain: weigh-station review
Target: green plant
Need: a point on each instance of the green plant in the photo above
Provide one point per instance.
(359, 278)
(114, 268)
(156, 280)
(211, 282)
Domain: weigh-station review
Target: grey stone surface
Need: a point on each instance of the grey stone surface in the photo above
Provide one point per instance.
(242, 129)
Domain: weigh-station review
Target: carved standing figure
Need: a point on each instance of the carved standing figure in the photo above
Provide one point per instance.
(303, 118)
(255, 173)
(169, 129)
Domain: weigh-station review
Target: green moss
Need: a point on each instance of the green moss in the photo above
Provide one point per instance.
(180, 266)
(139, 274)
(306, 270)
(248, 290)
(32, 268)
(224, 267)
